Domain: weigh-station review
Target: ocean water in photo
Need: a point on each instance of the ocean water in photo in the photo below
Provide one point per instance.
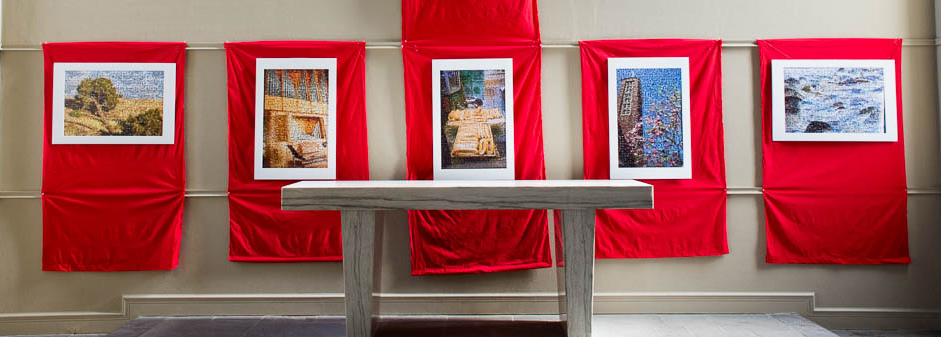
(834, 100)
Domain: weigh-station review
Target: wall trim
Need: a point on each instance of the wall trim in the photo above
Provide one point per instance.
(748, 43)
(197, 193)
(331, 304)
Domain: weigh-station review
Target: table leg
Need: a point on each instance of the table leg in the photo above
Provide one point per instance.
(360, 253)
(577, 274)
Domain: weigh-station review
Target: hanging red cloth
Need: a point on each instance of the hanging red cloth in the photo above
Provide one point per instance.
(470, 22)
(833, 202)
(112, 207)
(451, 242)
(260, 230)
(689, 217)
(448, 242)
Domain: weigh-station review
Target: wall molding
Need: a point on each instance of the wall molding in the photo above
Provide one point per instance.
(748, 43)
(544, 303)
(201, 193)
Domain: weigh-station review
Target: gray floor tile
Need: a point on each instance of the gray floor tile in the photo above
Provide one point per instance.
(674, 331)
(626, 325)
(698, 325)
(713, 331)
(806, 327)
(817, 332)
(137, 327)
(297, 327)
(761, 325)
(794, 320)
(667, 325)
(468, 328)
(196, 327)
(776, 333)
(627, 321)
(685, 319)
(885, 333)
(66, 335)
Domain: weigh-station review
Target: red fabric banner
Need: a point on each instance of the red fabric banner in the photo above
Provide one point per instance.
(470, 22)
(447, 242)
(833, 202)
(689, 217)
(260, 230)
(112, 207)
(451, 242)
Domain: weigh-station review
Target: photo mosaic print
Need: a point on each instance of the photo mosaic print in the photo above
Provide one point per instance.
(473, 119)
(649, 117)
(834, 100)
(295, 118)
(113, 102)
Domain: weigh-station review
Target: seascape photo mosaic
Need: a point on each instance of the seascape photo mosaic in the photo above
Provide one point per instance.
(833, 100)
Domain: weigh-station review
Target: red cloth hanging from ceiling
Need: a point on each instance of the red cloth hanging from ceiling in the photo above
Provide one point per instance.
(447, 242)
(260, 230)
(474, 241)
(689, 218)
(112, 207)
(833, 202)
(470, 22)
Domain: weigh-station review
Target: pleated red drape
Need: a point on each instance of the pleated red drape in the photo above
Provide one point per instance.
(259, 230)
(470, 22)
(448, 242)
(445, 242)
(112, 207)
(833, 202)
(689, 218)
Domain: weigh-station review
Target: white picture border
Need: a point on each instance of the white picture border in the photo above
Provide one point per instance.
(272, 173)
(682, 172)
(439, 65)
(779, 132)
(58, 102)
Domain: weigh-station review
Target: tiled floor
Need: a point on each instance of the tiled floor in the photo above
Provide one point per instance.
(744, 325)
(874, 333)
(747, 325)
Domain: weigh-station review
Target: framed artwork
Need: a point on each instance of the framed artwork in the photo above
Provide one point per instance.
(648, 118)
(113, 103)
(295, 118)
(472, 118)
(834, 100)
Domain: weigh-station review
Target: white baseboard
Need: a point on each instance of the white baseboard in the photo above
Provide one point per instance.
(488, 303)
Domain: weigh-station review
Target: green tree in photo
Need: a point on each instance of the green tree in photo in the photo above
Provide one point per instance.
(97, 95)
(473, 82)
(149, 123)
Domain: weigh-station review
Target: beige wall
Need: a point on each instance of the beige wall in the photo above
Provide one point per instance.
(31, 300)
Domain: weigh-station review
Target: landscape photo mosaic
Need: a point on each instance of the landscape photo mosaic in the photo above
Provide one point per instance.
(113, 102)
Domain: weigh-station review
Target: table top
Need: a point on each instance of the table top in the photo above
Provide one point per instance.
(466, 194)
